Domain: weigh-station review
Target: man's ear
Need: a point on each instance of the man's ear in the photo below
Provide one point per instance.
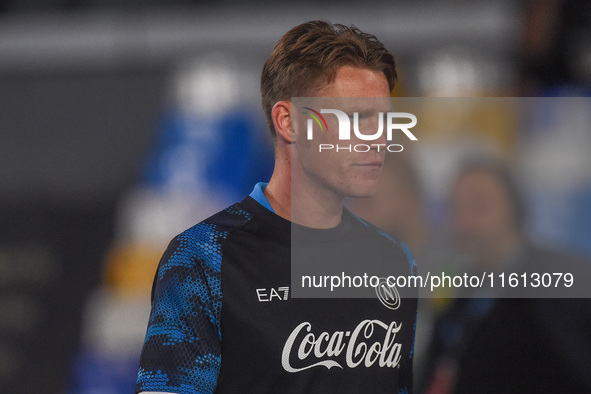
(281, 115)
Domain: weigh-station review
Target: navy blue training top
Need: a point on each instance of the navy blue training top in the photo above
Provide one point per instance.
(223, 320)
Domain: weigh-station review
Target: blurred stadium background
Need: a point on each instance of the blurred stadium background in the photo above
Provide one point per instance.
(124, 122)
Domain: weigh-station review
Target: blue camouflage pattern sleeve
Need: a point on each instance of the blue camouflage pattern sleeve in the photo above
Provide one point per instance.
(182, 348)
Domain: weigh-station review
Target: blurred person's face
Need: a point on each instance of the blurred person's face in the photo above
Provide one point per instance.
(342, 172)
(483, 226)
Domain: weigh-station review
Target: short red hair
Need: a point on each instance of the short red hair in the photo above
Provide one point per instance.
(309, 55)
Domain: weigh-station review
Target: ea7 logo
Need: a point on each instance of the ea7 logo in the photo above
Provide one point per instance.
(345, 124)
(280, 293)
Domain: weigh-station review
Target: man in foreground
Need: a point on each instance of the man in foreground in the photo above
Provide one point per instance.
(222, 318)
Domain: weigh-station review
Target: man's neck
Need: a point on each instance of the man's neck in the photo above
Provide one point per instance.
(307, 205)
(278, 194)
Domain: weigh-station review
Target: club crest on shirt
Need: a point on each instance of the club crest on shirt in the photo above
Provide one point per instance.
(388, 294)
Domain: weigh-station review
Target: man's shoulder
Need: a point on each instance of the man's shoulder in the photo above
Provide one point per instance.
(372, 229)
(220, 223)
(203, 241)
(229, 218)
(376, 232)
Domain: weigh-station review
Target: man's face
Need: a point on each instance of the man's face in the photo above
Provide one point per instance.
(343, 173)
(481, 215)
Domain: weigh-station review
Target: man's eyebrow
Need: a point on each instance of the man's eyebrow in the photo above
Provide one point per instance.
(363, 112)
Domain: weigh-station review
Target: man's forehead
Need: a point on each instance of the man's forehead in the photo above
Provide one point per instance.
(355, 81)
(354, 89)
(349, 105)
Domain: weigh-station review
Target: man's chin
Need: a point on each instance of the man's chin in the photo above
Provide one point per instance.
(364, 191)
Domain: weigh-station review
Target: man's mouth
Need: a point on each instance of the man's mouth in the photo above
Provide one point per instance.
(373, 164)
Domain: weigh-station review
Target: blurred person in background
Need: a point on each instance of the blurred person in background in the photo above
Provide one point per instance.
(510, 345)
(556, 48)
(255, 338)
